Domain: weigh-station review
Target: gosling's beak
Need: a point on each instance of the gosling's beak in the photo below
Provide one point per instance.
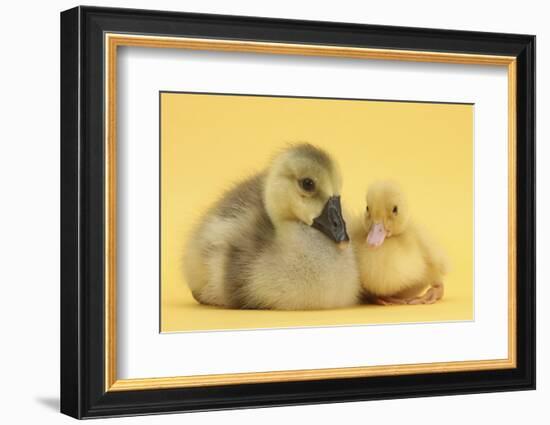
(331, 222)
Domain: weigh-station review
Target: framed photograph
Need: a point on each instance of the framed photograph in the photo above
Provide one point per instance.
(261, 212)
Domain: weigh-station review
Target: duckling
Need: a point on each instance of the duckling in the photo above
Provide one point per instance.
(277, 240)
(398, 261)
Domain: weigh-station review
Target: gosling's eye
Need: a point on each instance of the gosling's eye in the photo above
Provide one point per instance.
(394, 210)
(367, 208)
(307, 184)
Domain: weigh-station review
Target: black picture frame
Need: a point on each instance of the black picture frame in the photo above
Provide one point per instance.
(83, 392)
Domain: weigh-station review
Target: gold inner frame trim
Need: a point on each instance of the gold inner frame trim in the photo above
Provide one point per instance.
(113, 41)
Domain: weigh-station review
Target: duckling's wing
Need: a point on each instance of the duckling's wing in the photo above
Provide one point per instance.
(432, 251)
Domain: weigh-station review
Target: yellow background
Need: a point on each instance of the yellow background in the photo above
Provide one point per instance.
(210, 141)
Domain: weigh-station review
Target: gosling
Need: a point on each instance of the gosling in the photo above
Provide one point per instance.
(277, 240)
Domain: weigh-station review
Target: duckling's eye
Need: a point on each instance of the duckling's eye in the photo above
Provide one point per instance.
(394, 210)
(367, 209)
(307, 184)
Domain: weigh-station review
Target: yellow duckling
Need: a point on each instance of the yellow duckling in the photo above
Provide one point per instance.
(277, 240)
(397, 260)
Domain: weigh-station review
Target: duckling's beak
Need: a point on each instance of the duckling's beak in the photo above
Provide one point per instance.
(331, 222)
(376, 235)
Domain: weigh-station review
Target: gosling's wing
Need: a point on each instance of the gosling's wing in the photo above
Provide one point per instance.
(243, 209)
(234, 231)
(254, 232)
(241, 199)
(232, 215)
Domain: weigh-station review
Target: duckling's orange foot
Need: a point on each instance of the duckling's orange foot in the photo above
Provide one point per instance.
(381, 300)
(432, 295)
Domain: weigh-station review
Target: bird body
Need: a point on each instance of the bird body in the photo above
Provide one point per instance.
(261, 245)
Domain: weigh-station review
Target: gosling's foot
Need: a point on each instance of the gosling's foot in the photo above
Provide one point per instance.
(432, 295)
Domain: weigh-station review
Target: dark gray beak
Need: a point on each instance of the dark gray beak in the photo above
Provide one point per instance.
(331, 222)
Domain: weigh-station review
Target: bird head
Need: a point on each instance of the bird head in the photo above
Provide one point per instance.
(386, 213)
(303, 185)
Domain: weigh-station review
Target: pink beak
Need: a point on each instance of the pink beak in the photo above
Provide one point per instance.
(376, 235)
